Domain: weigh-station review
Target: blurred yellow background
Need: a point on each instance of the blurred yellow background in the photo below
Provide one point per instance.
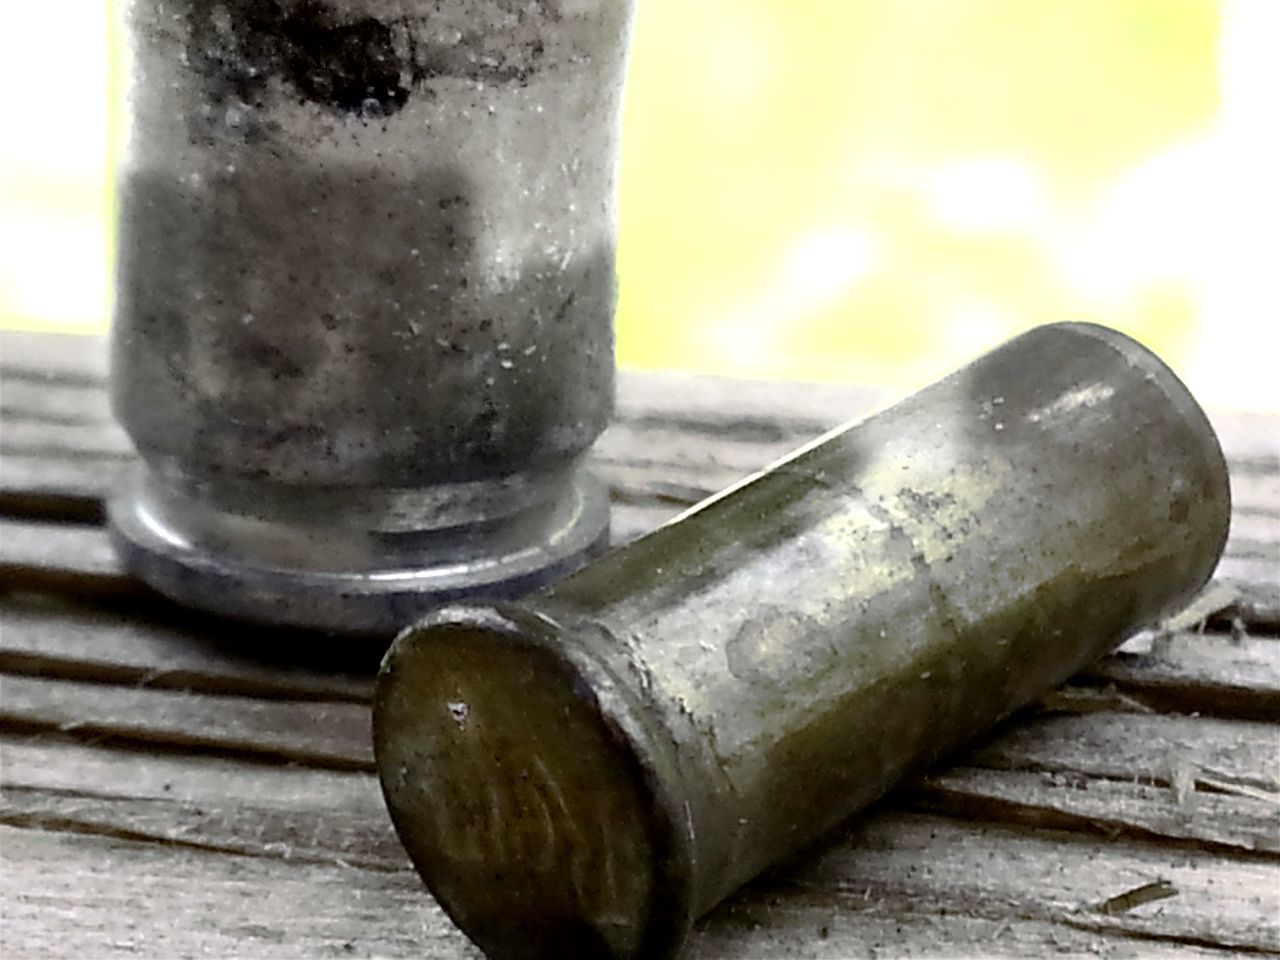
(857, 190)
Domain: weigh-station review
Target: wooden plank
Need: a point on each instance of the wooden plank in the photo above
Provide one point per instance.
(25, 400)
(300, 814)
(1108, 807)
(1199, 673)
(1250, 437)
(57, 764)
(1234, 676)
(1219, 821)
(1259, 588)
(880, 922)
(881, 870)
(37, 488)
(158, 644)
(1255, 535)
(1201, 786)
(71, 558)
(211, 904)
(1155, 749)
(1229, 675)
(1102, 753)
(299, 835)
(1002, 872)
(1107, 745)
(215, 802)
(89, 439)
(56, 638)
(322, 734)
(75, 896)
(1188, 759)
(218, 905)
(1256, 607)
(52, 356)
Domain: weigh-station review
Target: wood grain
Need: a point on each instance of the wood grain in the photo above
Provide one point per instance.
(906, 879)
(332, 735)
(1057, 769)
(1043, 874)
(122, 898)
(141, 899)
(173, 784)
(1209, 673)
(50, 636)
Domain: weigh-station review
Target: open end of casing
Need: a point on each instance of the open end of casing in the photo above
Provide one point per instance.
(528, 792)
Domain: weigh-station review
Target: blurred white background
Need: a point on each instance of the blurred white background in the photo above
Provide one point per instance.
(861, 190)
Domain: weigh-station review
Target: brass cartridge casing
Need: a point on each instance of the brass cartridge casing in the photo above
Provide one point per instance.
(586, 771)
(363, 331)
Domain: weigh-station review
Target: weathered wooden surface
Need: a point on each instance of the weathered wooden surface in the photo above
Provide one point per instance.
(171, 784)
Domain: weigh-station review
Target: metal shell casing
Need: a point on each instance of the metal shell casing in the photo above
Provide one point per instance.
(603, 762)
(365, 291)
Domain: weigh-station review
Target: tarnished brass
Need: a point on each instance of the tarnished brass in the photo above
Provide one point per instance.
(585, 772)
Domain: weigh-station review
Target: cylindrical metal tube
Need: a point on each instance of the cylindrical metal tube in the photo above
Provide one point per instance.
(602, 763)
(363, 332)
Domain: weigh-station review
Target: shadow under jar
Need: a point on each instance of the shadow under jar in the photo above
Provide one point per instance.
(363, 331)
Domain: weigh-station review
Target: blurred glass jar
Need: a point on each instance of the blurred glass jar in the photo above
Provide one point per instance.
(363, 330)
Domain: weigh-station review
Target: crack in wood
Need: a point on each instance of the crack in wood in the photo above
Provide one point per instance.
(938, 798)
(167, 742)
(58, 824)
(116, 711)
(1232, 948)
